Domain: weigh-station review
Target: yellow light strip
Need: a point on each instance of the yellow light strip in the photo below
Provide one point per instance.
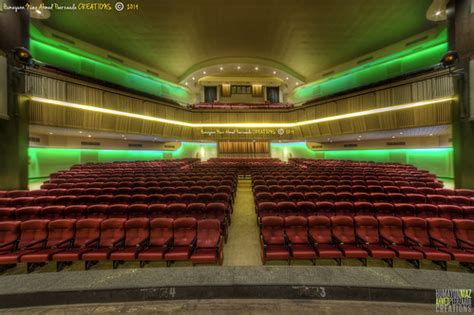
(244, 125)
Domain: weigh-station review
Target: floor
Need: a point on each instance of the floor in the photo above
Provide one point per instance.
(229, 307)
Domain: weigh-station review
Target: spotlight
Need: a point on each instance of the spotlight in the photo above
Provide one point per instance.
(449, 59)
(22, 55)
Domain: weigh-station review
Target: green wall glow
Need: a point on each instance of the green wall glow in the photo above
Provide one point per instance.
(44, 161)
(414, 58)
(70, 58)
(438, 161)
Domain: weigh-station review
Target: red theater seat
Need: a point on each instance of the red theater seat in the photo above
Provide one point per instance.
(274, 245)
(300, 247)
(60, 237)
(343, 233)
(320, 235)
(137, 234)
(161, 237)
(209, 247)
(184, 230)
(9, 236)
(112, 236)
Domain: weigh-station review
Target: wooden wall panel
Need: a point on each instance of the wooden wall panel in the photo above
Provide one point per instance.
(415, 90)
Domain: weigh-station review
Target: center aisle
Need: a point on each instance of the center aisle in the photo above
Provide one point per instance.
(243, 246)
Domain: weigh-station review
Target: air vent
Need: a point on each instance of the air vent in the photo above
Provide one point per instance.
(34, 139)
(169, 146)
(350, 145)
(397, 143)
(327, 73)
(365, 60)
(90, 143)
(64, 39)
(135, 145)
(156, 74)
(316, 146)
(115, 58)
(420, 39)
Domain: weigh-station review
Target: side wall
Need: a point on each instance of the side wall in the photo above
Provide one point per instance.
(438, 161)
(44, 161)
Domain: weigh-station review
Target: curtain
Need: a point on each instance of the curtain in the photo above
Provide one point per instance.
(225, 90)
(257, 90)
(244, 147)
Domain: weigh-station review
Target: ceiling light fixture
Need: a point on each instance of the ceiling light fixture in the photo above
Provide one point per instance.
(238, 67)
(256, 68)
(244, 125)
(185, 83)
(287, 78)
(221, 68)
(89, 136)
(204, 72)
(193, 78)
(274, 72)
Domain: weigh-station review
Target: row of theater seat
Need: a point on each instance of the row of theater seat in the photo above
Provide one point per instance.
(419, 189)
(319, 237)
(133, 190)
(91, 240)
(138, 182)
(324, 208)
(341, 182)
(217, 211)
(67, 200)
(372, 197)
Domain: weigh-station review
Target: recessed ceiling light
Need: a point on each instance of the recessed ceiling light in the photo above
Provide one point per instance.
(297, 83)
(39, 12)
(50, 133)
(193, 78)
(186, 83)
(204, 72)
(393, 137)
(238, 67)
(89, 136)
(287, 78)
(274, 72)
(221, 68)
(80, 131)
(431, 134)
(401, 132)
(123, 136)
(256, 68)
(438, 13)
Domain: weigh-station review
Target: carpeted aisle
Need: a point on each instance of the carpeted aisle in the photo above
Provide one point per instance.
(243, 247)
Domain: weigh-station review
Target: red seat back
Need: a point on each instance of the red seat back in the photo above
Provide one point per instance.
(86, 230)
(184, 230)
(208, 233)
(136, 230)
(342, 228)
(60, 230)
(110, 231)
(31, 231)
(161, 231)
(273, 230)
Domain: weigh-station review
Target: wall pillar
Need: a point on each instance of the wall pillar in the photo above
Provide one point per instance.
(461, 39)
(14, 128)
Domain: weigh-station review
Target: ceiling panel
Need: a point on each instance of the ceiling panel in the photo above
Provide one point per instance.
(308, 36)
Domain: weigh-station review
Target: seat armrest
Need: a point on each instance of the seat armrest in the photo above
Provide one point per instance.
(335, 239)
(90, 242)
(143, 243)
(360, 240)
(9, 243)
(117, 242)
(35, 243)
(386, 241)
(465, 242)
(412, 241)
(69, 240)
(435, 240)
(311, 240)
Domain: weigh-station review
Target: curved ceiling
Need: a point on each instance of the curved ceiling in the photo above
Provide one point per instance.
(306, 36)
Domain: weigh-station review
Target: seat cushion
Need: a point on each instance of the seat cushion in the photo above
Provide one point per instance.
(13, 258)
(204, 255)
(98, 254)
(178, 253)
(433, 254)
(152, 253)
(40, 256)
(352, 251)
(459, 255)
(378, 251)
(303, 251)
(404, 252)
(71, 254)
(128, 253)
(328, 251)
(276, 252)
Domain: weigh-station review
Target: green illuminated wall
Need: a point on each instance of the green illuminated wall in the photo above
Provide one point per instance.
(70, 58)
(438, 161)
(44, 161)
(415, 58)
